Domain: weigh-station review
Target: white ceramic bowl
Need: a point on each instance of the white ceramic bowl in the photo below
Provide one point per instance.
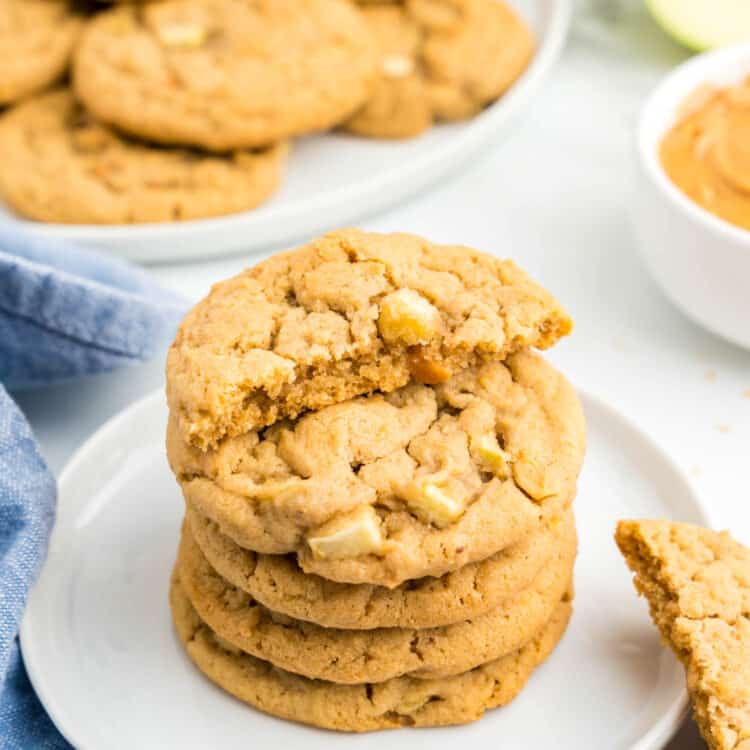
(700, 261)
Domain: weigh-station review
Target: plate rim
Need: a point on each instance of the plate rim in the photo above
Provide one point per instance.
(654, 738)
(173, 242)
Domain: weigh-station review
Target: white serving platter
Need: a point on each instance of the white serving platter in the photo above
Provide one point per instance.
(335, 180)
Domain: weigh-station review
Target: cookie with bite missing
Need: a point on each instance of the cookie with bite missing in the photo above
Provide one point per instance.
(347, 314)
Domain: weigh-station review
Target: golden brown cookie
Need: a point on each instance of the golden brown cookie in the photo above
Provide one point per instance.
(350, 313)
(386, 488)
(403, 701)
(278, 583)
(356, 656)
(60, 165)
(225, 74)
(439, 60)
(697, 584)
(36, 42)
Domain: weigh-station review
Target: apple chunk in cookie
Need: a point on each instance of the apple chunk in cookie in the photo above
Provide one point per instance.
(348, 536)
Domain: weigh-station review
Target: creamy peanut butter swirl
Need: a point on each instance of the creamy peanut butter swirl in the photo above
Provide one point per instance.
(707, 152)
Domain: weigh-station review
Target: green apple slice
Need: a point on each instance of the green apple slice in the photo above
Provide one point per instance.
(703, 24)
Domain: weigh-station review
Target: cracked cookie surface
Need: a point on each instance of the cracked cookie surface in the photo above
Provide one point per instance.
(386, 488)
(225, 74)
(60, 165)
(356, 656)
(36, 42)
(350, 313)
(439, 60)
(277, 582)
(402, 701)
(697, 584)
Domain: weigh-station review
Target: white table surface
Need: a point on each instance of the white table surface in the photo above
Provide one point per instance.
(555, 198)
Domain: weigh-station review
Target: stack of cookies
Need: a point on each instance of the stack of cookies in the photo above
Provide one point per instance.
(181, 109)
(378, 474)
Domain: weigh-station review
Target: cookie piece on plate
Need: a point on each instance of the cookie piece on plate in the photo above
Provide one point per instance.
(60, 165)
(697, 584)
(402, 701)
(356, 656)
(439, 61)
(350, 313)
(278, 583)
(36, 43)
(386, 488)
(225, 74)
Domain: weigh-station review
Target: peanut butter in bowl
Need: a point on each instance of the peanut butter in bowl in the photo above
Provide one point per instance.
(706, 153)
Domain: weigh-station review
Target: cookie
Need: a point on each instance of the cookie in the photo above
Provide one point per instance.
(61, 166)
(225, 74)
(348, 314)
(355, 656)
(403, 701)
(387, 488)
(36, 43)
(439, 61)
(697, 584)
(278, 583)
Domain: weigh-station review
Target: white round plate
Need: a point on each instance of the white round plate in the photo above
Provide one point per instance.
(334, 180)
(99, 646)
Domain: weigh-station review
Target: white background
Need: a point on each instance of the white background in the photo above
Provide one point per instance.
(554, 197)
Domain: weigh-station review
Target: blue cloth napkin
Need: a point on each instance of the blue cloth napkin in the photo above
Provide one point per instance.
(64, 312)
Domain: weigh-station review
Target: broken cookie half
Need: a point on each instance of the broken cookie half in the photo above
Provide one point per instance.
(697, 584)
(348, 314)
